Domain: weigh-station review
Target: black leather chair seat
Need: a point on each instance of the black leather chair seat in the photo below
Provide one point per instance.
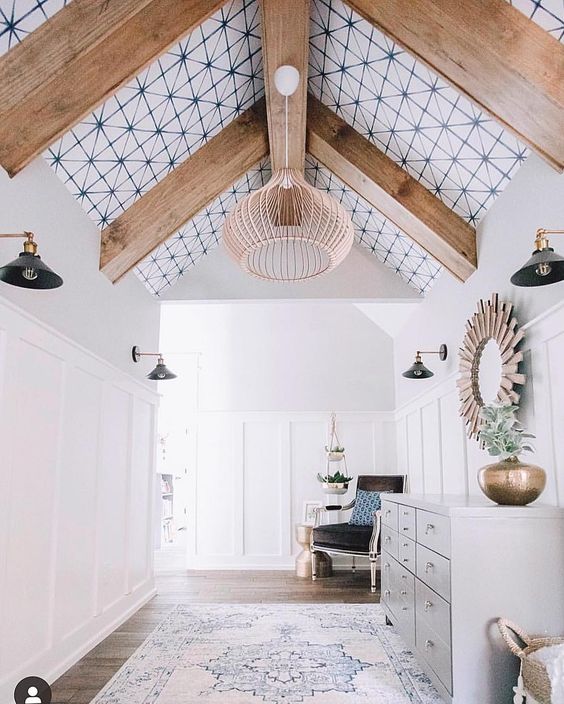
(343, 536)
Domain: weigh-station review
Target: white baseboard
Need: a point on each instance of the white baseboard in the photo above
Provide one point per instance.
(56, 661)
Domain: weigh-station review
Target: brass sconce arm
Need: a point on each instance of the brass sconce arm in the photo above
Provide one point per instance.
(541, 241)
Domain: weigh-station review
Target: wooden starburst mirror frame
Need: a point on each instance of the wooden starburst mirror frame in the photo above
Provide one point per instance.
(492, 321)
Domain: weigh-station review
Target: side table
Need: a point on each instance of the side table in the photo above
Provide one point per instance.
(303, 560)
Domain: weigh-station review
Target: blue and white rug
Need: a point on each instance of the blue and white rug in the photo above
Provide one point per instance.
(280, 654)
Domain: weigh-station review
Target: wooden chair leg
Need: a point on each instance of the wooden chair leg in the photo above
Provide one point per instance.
(373, 576)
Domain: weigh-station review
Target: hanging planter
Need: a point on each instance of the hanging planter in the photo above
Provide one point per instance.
(334, 483)
(335, 454)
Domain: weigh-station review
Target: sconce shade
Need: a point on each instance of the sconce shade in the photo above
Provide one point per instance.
(544, 267)
(418, 371)
(161, 373)
(29, 271)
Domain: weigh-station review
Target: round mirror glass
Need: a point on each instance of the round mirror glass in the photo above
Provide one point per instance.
(489, 371)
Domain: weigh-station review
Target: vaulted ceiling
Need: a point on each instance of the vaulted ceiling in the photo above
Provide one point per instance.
(192, 93)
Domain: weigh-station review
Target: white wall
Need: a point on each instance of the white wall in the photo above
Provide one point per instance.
(76, 432)
(106, 319)
(431, 442)
(270, 374)
(283, 356)
(76, 486)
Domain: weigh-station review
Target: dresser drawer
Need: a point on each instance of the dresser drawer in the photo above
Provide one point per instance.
(433, 609)
(433, 531)
(406, 521)
(406, 552)
(435, 652)
(434, 571)
(390, 514)
(389, 541)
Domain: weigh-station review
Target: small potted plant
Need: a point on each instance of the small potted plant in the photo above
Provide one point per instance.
(508, 482)
(335, 453)
(334, 483)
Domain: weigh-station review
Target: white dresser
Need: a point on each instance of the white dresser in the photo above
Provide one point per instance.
(451, 566)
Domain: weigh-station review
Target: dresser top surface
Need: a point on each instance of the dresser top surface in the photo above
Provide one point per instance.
(473, 506)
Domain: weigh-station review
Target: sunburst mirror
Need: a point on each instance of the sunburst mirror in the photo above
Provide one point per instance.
(489, 360)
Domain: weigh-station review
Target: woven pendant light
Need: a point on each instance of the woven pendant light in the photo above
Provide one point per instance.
(288, 230)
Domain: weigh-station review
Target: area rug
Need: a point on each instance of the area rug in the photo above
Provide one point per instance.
(280, 654)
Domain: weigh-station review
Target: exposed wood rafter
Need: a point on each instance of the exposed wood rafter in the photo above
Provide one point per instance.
(76, 60)
(285, 40)
(391, 190)
(184, 192)
(492, 53)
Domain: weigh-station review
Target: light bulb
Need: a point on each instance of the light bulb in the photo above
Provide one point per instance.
(417, 372)
(29, 273)
(161, 375)
(543, 269)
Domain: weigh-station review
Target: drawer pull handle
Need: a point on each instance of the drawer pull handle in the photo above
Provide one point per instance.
(428, 644)
(403, 592)
(388, 512)
(387, 539)
(406, 559)
(387, 592)
(406, 513)
(405, 528)
(429, 528)
(405, 545)
(404, 576)
(428, 605)
(404, 608)
(428, 566)
(387, 566)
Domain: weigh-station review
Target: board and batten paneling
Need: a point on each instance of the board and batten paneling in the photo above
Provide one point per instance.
(432, 447)
(77, 438)
(255, 470)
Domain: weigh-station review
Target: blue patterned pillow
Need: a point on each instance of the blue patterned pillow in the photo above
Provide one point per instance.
(366, 503)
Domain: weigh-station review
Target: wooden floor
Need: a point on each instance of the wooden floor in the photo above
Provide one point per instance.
(85, 679)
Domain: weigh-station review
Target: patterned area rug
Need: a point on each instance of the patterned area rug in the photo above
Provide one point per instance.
(281, 654)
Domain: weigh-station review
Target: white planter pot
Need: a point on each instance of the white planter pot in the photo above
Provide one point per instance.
(335, 488)
(335, 456)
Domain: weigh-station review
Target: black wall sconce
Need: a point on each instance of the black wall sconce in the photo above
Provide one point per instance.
(160, 372)
(544, 267)
(418, 370)
(28, 270)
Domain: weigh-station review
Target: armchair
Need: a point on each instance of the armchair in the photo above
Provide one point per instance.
(347, 539)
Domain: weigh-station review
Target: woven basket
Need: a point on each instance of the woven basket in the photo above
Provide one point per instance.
(535, 676)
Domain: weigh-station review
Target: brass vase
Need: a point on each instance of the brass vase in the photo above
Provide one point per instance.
(511, 482)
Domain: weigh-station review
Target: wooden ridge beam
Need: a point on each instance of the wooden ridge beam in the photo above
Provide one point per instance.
(184, 192)
(391, 190)
(492, 53)
(76, 60)
(285, 40)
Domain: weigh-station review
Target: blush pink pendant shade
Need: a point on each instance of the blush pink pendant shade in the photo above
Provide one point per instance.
(288, 230)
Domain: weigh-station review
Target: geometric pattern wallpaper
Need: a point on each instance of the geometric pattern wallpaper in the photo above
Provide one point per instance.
(165, 114)
(18, 18)
(461, 155)
(189, 94)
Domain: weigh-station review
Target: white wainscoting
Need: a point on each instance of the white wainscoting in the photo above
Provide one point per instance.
(433, 448)
(76, 491)
(254, 471)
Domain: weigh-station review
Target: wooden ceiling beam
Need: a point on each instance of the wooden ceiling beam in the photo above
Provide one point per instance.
(391, 190)
(285, 41)
(79, 58)
(184, 192)
(492, 53)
